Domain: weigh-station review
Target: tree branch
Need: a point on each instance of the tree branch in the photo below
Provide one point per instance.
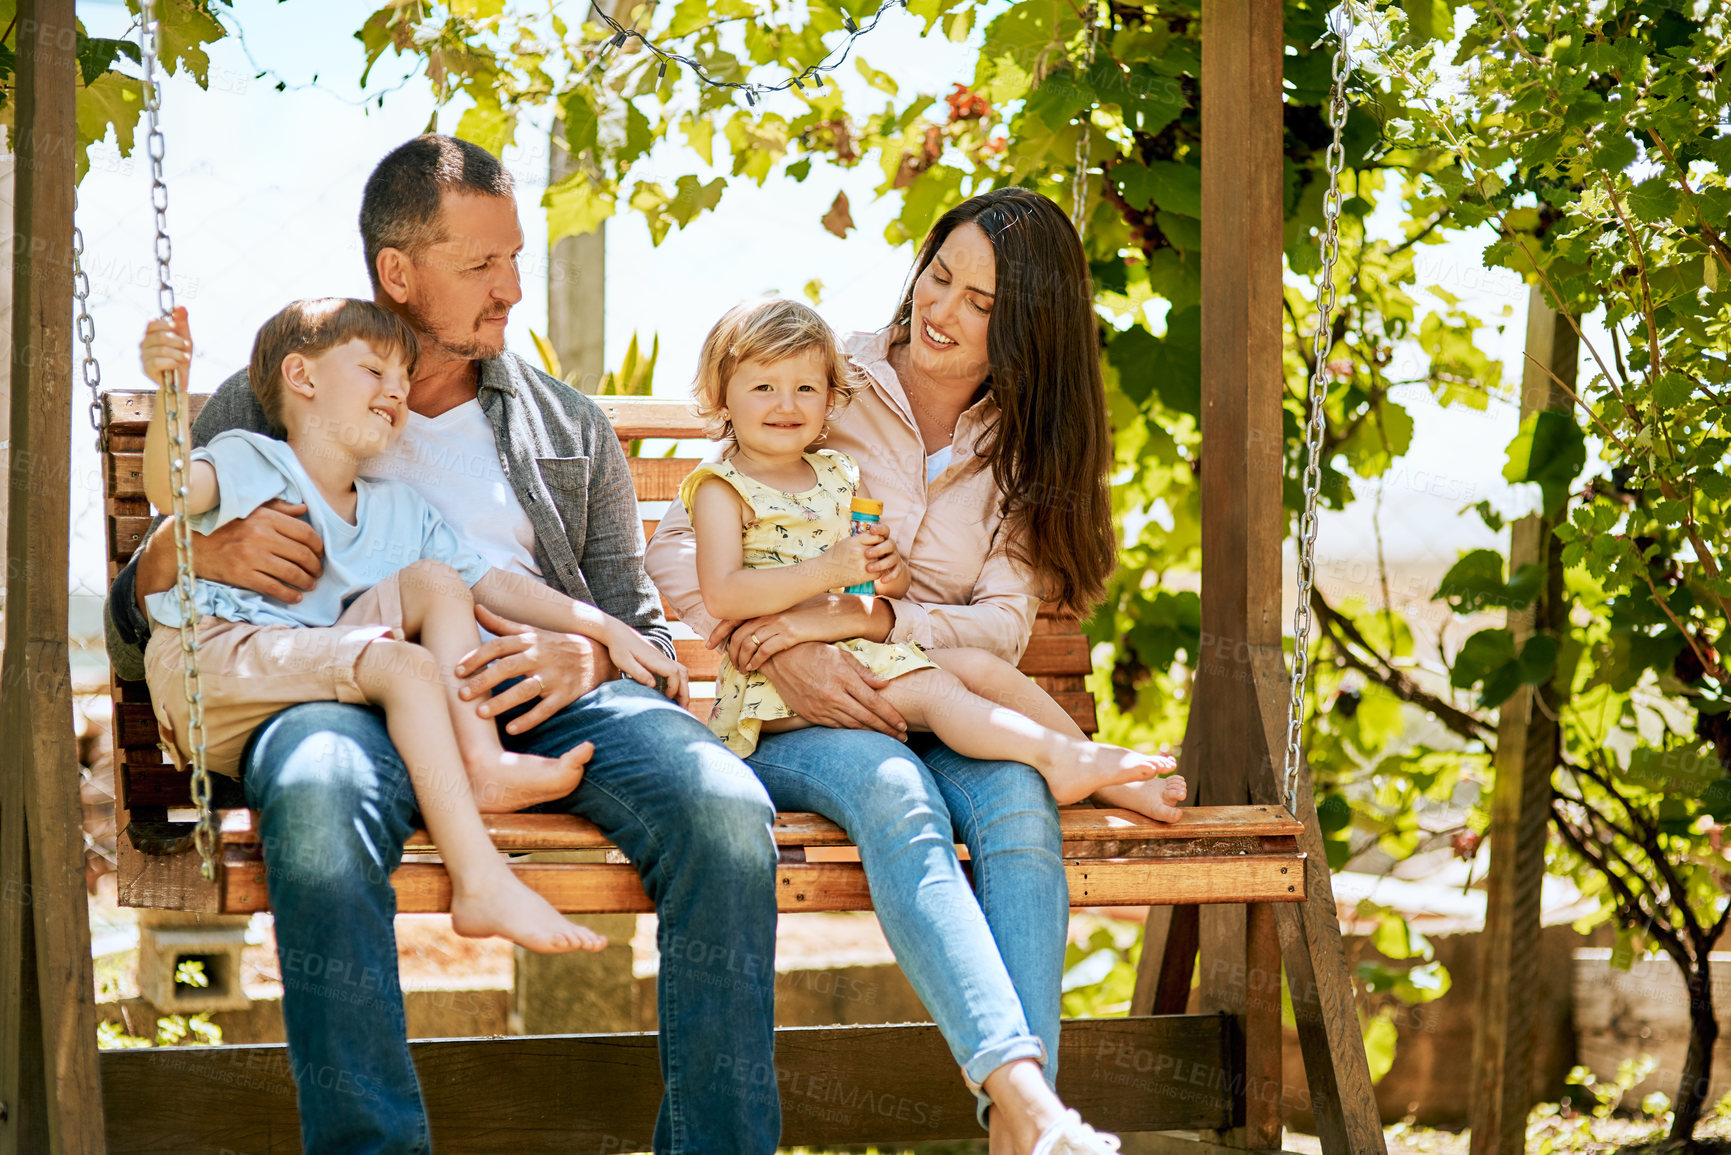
(1344, 636)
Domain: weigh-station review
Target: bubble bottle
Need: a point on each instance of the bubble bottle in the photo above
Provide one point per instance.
(863, 515)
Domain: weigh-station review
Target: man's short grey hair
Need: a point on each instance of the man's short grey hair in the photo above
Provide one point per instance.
(400, 207)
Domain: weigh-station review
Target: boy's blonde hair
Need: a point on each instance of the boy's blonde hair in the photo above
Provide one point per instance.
(310, 327)
(767, 331)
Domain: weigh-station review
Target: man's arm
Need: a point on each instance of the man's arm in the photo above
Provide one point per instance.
(126, 627)
(613, 555)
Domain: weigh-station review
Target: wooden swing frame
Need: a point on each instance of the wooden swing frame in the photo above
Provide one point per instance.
(1217, 1072)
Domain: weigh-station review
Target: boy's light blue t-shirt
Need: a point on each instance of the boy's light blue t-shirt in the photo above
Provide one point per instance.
(393, 527)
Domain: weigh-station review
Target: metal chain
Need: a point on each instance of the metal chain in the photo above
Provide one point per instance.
(1325, 299)
(1084, 141)
(86, 329)
(205, 833)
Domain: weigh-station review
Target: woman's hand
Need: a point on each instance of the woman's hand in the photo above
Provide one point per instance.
(888, 571)
(642, 661)
(557, 668)
(830, 687)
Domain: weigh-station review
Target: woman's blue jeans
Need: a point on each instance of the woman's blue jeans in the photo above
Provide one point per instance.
(986, 960)
(335, 807)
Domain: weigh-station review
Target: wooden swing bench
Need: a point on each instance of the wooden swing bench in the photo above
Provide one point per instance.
(894, 1083)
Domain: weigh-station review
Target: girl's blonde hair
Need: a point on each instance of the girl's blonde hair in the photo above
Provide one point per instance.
(767, 331)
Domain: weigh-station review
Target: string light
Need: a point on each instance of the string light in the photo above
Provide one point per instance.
(751, 89)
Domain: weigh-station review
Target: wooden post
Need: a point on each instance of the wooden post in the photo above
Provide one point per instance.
(49, 1083)
(1239, 668)
(1235, 739)
(1527, 753)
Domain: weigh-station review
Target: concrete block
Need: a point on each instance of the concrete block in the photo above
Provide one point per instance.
(168, 939)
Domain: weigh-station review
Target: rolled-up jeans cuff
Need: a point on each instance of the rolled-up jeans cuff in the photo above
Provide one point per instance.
(993, 1057)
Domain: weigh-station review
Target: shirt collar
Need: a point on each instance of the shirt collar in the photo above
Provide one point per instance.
(871, 352)
(500, 373)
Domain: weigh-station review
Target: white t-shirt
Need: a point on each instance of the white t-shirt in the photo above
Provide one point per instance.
(937, 462)
(452, 460)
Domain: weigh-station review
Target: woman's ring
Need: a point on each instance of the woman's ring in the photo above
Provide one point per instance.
(755, 640)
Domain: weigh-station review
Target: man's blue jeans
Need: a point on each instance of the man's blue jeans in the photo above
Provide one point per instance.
(335, 807)
(986, 960)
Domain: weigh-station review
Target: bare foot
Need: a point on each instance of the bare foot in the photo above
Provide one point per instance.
(1096, 764)
(1159, 798)
(500, 904)
(512, 781)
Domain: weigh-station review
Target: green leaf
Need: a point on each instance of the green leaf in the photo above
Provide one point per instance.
(489, 126)
(1475, 583)
(185, 28)
(1681, 771)
(1616, 152)
(113, 102)
(1549, 451)
(582, 124)
(882, 81)
(1176, 188)
(1655, 199)
(1429, 20)
(700, 135)
(1380, 1039)
(576, 205)
(1059, 99)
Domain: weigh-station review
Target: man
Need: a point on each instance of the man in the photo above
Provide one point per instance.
(529, 472)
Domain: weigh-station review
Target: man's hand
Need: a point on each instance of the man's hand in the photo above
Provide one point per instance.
(557, 668)
(269, 551)
(829, 687)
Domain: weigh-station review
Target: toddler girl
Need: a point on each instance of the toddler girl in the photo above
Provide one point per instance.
(772, 526)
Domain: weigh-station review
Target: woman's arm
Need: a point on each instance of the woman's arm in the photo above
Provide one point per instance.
(732, 591)
(998, 617)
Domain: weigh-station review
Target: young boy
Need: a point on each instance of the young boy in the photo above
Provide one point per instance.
(334, 374)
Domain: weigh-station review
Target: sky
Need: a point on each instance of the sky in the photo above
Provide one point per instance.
(264, 187)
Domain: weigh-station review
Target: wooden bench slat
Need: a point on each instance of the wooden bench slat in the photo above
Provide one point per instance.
(522, 833)
(615, 888)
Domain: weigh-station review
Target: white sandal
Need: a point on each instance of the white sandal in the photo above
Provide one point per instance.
(1071, 1136)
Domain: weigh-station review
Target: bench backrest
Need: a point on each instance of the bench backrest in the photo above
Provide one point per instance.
(1057, 656)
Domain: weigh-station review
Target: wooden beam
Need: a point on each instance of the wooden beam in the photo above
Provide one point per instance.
(1527, 753)
(49, 1081)
(1226, 740)
(838, 1085)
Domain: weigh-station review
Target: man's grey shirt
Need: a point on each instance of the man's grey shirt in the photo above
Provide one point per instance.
(564, 463)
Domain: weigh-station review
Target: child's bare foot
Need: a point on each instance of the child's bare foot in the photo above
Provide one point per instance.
(1096, 764)
(512, 781)
(1159, 797)
(501, 905)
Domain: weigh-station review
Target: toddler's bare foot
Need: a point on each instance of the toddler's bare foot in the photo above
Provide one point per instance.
(1095, 764)
(510, 782)
(500, 904)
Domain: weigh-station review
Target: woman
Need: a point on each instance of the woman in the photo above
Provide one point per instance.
(983, 428)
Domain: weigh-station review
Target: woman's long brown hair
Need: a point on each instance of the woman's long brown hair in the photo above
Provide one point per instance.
(1050, 446)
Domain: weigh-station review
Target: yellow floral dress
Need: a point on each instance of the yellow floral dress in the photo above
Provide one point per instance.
(786, 528)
